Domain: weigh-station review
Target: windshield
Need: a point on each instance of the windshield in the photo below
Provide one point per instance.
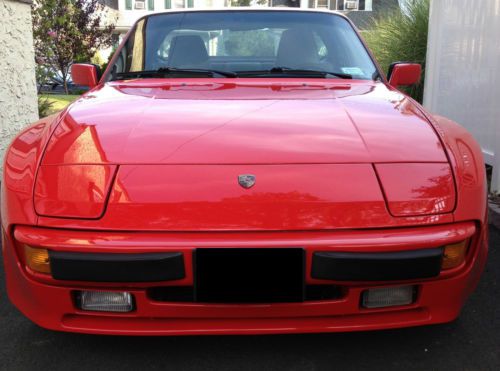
(244, 41)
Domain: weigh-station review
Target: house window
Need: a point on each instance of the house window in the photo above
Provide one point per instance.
(203, 3)
(351, 5)
(365, 5)
(190, 3)
(140, 4)
(323, 4)
(151, 4)
(285, 3)
(168, 4)
(128, 4)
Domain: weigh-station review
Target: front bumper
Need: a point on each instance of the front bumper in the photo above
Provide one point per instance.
(50, 303)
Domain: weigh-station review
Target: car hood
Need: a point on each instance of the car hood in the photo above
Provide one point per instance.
(170, 155)
(250, 121)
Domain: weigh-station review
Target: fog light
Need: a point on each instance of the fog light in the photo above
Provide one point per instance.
(37, 259)
(454, 255)
(105, 301)
(388, 297)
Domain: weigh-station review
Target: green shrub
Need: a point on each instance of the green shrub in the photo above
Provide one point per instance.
(44, 106)
(402, 36)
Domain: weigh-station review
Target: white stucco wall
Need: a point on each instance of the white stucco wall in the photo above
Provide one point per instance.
(18, 99)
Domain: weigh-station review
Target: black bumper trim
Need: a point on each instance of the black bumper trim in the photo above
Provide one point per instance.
(150, 267)
(391, 266)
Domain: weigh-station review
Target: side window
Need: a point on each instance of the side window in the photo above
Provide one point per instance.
(120, 61)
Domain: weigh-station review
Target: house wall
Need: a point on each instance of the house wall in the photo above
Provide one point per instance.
(463, 74)
(18, 98)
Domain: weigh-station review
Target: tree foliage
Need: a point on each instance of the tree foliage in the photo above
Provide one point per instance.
(67, 31)
(402, 36)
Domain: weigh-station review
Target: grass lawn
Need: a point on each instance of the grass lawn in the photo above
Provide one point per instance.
(59, 102)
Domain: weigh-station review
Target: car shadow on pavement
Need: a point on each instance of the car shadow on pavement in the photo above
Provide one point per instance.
(471, 342)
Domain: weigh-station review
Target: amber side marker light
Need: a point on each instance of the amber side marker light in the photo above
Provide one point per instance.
(454, 255)
(37, 259)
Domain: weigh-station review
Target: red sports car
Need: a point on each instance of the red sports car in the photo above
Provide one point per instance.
(243, 172)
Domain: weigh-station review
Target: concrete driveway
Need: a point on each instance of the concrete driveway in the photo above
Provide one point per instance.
(471, 343)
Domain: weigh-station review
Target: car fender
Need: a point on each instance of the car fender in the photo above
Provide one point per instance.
(466, 158)
(22, 159)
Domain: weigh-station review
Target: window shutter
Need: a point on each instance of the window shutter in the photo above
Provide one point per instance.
(151, 4)
(361, 5)
(190, 3)
(168, 4)
(128, 5)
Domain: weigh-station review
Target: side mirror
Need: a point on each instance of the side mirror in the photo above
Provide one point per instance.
(85, 74)
(404, 74)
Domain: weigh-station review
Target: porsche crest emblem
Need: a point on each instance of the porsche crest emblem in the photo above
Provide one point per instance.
(246, 180)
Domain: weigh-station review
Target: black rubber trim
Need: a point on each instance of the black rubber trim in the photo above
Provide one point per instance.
(392, 266)
(150, 267)
(186, 294)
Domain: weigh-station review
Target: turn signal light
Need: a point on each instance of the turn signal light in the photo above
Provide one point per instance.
(37, 259)
(454, 255)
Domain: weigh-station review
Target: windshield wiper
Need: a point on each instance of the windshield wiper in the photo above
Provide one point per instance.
(275, 71)
(166, 71)
(287, 71)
